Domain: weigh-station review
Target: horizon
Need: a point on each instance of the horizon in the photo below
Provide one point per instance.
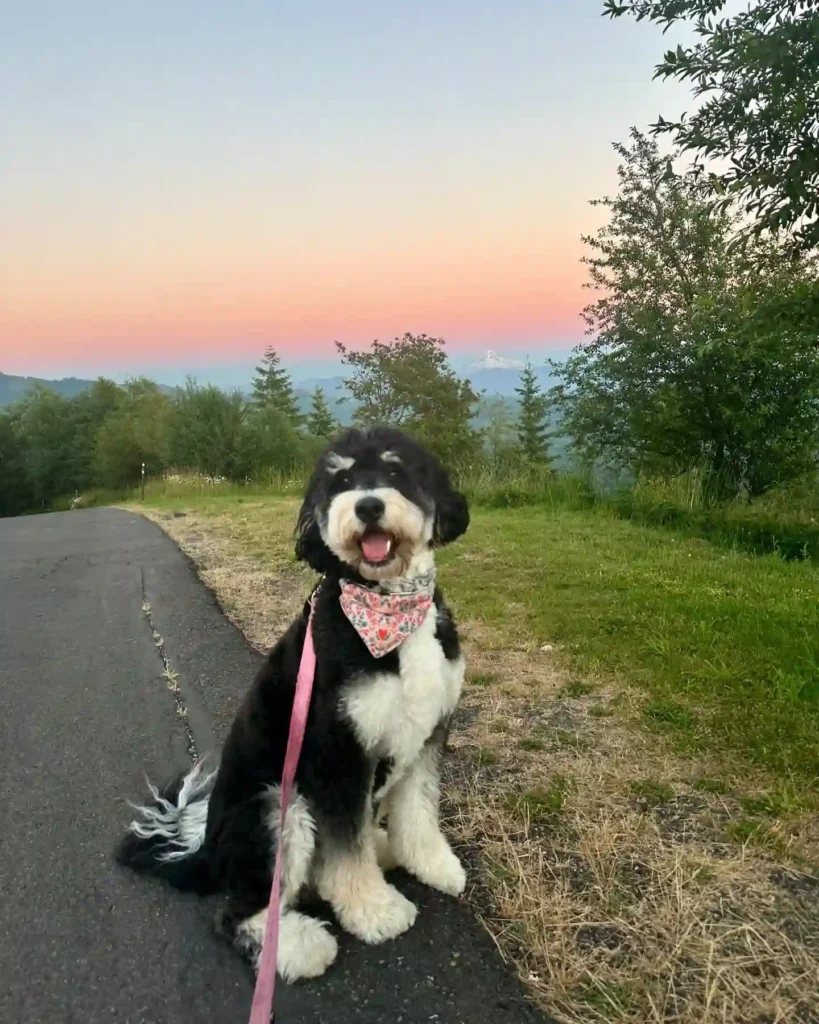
(239, 376)
(229, 179)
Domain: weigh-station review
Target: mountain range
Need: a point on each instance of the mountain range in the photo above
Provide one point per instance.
(493, 374)
(494, 380)
(12, 388)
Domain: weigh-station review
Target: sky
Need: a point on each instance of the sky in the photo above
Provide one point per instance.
(185, 182)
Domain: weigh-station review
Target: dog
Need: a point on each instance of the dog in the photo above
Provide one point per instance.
(389, 671)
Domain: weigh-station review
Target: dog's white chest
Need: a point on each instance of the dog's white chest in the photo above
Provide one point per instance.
(395, 714)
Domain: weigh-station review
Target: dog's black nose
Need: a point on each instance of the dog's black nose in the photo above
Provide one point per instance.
(369, 510)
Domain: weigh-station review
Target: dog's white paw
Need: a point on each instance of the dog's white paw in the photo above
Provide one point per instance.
(439, 868)
(306, 947)
(384, 914)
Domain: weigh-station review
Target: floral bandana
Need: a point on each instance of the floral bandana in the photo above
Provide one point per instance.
(385, 617)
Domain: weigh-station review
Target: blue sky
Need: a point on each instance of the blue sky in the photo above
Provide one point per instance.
(185, 182)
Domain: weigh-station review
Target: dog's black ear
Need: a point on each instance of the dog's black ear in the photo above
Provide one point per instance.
(451, 515)
(310, 547)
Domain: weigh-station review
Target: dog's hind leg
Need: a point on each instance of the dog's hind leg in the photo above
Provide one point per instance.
(306, 947)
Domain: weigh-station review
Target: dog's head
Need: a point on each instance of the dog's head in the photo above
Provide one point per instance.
(377, 503)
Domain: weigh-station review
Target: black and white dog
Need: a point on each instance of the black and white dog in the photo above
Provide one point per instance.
(388, 676)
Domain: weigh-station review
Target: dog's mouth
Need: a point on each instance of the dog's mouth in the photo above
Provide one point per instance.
(377, 546)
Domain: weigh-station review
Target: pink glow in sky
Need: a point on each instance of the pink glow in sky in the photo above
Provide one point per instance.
(187, 183)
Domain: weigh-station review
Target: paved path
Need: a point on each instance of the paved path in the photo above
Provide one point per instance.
(84, 712)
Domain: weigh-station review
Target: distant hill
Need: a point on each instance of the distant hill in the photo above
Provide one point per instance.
(494, 380)
(14, 388)
(494, 375)
(502, 380)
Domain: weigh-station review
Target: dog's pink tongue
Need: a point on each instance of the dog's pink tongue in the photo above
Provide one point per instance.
(376, 546)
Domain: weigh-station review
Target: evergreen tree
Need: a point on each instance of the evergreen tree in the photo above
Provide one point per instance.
(273, 389)
(533, 443)
(320, 421)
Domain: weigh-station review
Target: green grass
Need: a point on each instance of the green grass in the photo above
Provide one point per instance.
(486, 757)
(725, 644)
(652, 792)
(784, 521)
(531, 745)
(539, 804)
(706, 784)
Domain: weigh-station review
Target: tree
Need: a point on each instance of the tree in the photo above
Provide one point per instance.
(16, 493)
(500, 435)
(757, 72)
(533, 442)
(46, 435)
(320, 421)
(207, 432)
(49, 441)
(89, 410)
(134, 433)
(275, 441)
(273, 389)
(700, 353)
(410, 384)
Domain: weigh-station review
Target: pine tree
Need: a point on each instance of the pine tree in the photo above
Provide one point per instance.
(320, 421)
(533, 443)
(273, 389)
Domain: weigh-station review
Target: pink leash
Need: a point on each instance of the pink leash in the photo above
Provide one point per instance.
(260, 1012)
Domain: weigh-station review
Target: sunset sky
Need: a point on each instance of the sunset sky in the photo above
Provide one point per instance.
(185, 182)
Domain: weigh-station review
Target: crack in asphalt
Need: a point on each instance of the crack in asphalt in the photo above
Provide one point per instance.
(169, 674)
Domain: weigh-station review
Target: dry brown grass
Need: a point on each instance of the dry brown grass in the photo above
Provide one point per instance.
(260, 595)
(604, 864)
(608, 877)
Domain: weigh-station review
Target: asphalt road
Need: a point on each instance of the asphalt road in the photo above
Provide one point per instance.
(84, 714)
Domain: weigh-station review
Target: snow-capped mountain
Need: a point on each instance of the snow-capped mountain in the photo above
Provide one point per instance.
(493, 361)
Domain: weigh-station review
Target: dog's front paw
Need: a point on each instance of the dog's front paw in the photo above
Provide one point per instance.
(384, 914)
(306, 947)
(439, 868)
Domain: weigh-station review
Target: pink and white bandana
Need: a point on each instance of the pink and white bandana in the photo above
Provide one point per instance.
(385, 618)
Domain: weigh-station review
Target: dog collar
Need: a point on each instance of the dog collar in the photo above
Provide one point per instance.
(385, 616)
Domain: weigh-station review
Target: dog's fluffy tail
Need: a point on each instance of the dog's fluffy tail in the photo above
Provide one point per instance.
(166, 837)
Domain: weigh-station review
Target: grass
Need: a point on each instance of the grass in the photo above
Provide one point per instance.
(652, 792)
(784, 522)
(538, 804)
(636, 755)
(725, 645)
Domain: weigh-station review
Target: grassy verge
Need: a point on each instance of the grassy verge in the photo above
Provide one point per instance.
(725, 645)
(635, 758)
(784, 522)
